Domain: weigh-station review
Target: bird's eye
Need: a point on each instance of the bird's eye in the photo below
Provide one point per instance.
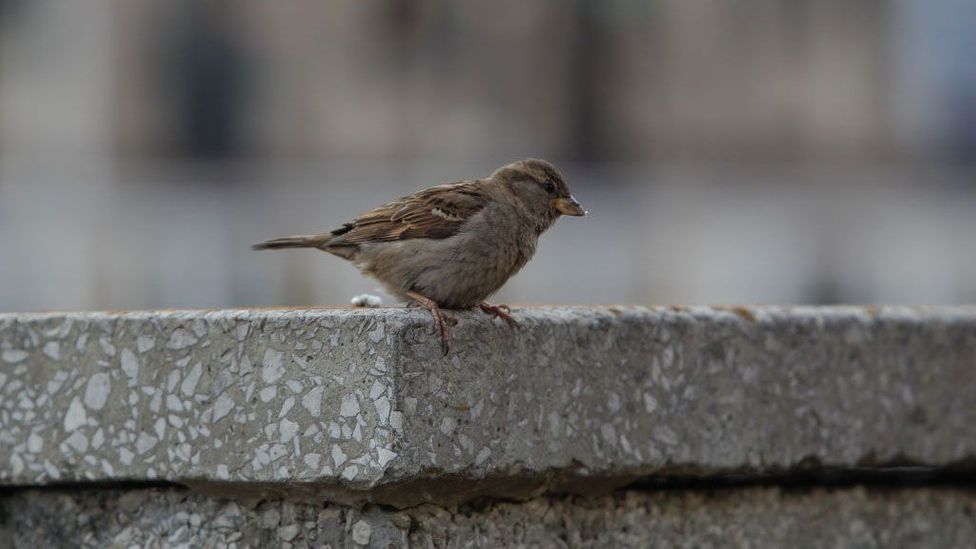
(549, 186)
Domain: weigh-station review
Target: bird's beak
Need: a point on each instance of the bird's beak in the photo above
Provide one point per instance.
(569, 206)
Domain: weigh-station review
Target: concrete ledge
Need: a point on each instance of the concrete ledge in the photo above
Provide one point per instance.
(757, 517)
(360, 406)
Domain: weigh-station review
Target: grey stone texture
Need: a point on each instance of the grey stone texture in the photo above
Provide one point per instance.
(754, 517)
(360, 406)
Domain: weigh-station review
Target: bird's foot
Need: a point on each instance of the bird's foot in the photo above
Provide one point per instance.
(503, 312)
(441, 319)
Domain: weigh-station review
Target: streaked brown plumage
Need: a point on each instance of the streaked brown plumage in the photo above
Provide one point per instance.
(452, 246)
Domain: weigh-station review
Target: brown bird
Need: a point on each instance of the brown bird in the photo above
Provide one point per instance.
(452, 246)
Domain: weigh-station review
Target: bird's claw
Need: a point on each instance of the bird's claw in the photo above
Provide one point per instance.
(503, 312)
(441, 319)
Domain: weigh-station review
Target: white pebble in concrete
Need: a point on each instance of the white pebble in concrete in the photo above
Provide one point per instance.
(273, 367)
(362, 532)
(97, 391)
(76, 416)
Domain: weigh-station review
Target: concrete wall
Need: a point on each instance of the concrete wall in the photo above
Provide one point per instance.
(587, 426)
(754, 517)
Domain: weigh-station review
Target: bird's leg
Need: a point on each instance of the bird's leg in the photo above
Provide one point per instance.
(441, 319)
(503, 312)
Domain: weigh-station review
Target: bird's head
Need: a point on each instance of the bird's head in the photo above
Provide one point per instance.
(540, 187)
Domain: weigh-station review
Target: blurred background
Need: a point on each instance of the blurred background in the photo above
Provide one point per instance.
(759, 151)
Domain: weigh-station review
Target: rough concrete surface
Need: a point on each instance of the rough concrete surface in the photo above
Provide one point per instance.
(756, 517)
(361, 406)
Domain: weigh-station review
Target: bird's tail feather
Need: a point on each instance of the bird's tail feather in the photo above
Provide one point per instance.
(308, 241)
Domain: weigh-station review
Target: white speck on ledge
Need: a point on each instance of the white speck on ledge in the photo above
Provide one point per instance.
(367, 300)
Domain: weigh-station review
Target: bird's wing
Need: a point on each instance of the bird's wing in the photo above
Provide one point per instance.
(438, 212)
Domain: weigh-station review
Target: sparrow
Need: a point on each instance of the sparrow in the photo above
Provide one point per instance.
(452, 246)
